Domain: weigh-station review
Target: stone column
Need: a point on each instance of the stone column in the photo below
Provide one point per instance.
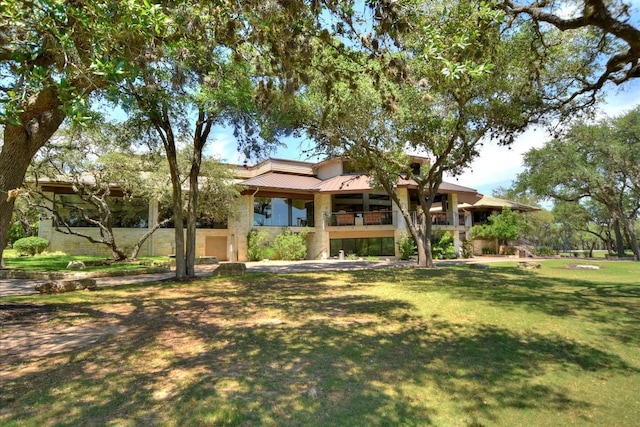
(453, 218)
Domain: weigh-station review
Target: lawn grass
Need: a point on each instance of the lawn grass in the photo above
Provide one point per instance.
(50, 262)
(448, 347)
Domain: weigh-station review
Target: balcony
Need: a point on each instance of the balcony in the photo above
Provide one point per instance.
(440, 221)
(369, 218)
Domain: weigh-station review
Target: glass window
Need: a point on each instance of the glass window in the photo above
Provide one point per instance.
(125, 213)
(372, 246)
(282, 212)
(203, 221)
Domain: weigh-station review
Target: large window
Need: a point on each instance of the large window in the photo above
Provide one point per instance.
(282, 212)
(203, 221)
(362, 202)
(372, 246)
(125, 213)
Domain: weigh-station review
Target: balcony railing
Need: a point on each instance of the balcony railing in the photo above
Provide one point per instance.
(341, 219)
(438, 219)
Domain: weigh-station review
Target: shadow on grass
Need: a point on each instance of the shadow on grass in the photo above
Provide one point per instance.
(615, 306)
(287, 350)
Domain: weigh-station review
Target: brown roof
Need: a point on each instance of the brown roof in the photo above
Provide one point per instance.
(489, 202)
(345, 184)
(495, 202)
(283, 181)
(342, 184)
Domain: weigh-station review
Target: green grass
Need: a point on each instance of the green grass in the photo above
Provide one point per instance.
(58, 262)
(447, 347)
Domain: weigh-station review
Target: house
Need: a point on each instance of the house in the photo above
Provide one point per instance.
(336, 204)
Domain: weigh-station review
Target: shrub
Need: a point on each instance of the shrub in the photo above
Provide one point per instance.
(443, 247)
(545, 251)
(467, 248)
(30, 245)
(406, 246)
(291, 245)
(257, 244)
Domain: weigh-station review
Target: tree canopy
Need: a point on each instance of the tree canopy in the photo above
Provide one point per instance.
(614, 40)
(462, 74)
(598, 162)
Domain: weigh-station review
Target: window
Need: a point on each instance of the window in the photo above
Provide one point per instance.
(480, 217)
(203, 221)
(125, 213)
(372, 246)
(361, 202)
(282, 212)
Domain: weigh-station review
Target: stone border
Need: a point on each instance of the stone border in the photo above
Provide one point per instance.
(57, 275)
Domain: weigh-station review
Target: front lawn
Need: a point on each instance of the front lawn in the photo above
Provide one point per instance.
(48, 262)
(452, 346)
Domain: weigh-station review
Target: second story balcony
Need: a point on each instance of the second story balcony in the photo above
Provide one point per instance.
(368, 218)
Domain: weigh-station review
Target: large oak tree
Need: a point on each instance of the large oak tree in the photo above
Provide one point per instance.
(598, 162)
(53, 55)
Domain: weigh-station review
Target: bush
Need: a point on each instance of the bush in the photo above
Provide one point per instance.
(467, 248)
(406, 246)
(30, 245)
(443, 247)
(291, 246)
(257, 245)
(545, 251)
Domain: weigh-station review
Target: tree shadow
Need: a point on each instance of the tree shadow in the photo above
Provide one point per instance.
(291, 350)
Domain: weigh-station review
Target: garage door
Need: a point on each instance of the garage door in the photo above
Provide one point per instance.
(216, 246)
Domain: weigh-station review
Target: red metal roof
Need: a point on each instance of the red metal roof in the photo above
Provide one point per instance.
(283, 181)
(337, 184)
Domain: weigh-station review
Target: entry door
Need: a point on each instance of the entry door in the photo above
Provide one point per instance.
(216, 246)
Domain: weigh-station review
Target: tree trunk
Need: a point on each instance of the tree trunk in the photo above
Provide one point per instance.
(191, 220)
(177, 212)
(136, 248)
(631, 237)
(619, 238)
(40, 119)
(201, 133)
(425, 236)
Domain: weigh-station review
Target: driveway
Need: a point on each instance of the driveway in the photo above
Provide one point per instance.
(14, 287)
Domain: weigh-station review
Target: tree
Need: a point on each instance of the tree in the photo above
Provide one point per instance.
(598, 162)
(539, 227)
(113, 186)
(585, 220)
(459, 76)
(238, 64)
(615, 40)
(501, 228)
(53, 55)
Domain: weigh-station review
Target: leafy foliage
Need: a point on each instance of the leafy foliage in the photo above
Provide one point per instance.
(257, 244)
(406, 246)
(505, 226)
(593, 163)
(443, 247)
(31, 245)
(290, 245)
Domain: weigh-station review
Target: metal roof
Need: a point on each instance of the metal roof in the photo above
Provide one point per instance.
(283, 181)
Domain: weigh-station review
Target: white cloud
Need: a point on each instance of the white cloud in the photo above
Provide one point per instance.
(223, 146)
(499, 166)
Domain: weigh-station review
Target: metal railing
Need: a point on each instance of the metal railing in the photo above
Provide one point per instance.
(369, 218)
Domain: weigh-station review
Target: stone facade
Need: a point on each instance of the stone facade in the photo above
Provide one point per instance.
(231, 244)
